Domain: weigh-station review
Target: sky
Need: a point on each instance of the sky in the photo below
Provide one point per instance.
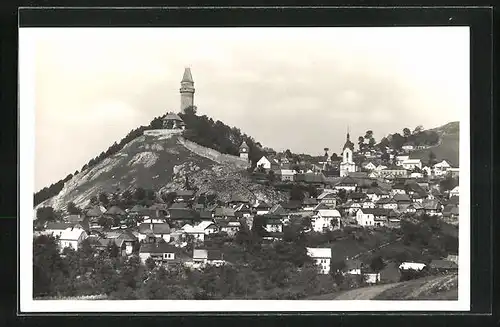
(289, 88)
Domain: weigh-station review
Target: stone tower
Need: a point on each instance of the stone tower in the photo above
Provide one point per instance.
(187, 90)
(244, 149)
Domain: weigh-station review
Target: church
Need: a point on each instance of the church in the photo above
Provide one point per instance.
(347, 165)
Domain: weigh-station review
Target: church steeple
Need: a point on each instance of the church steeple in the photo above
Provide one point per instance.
(187, 90)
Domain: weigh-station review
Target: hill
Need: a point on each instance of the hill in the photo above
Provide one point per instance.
(162, 163)
(447, 148)
(427, 288)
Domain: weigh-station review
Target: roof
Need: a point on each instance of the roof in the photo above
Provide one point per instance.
(145, 228)
(238, 198)
(73, 218)
(224, 212)
(115, 210)
(244, 145)
(346, 181)
(127, 236)
(183, 214)
(430, 204)
(162, 228)
(453, 200)
(200, 254)
(58, 226)
(310, 178)
(329, 213)
(184, 192)
(200, 228)
(71, 234)
(348, 143)
(94, 212)
(277, 209)
(357, 195)
(378, 211)
(326, 194)
(310, 201)
(187, 77)
(401, 198)
(319, 252)
(205, 214)
(158, 247)
(376, 191)
(137, 208)
(291, 205)
(178, 205)
(443, 264)
(321, 206)
(215, 255)
(172, 116)
(262, 205)
(353, 264)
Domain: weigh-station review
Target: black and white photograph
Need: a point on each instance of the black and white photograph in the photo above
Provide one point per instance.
(244, 169)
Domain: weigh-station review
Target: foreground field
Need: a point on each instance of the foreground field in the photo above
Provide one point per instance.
(428, 288)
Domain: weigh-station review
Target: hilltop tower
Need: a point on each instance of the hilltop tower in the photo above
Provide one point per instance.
(244, 149)
(187, 90)
(347, 166)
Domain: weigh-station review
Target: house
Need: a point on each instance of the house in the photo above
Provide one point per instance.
(277, 210)
(369, 166)
(386, 203)
(414, 208)
(450, 211)
(243, 210)
(152, 216)
(324, 220)
(55, 229)
(231, 227)
(401, 159)
(375, 217)
(346, 183)
(427, 170)
(455, 191)
(432, 207)
(441, 168)
(453, 200)
(308, 204)
(372, 277)
(452, 258)
(162, 253)
(357, 197)
(115, 211)
(328, 198)
(268, 163)
(376, 193)
(262, 208)
(322, 258)
(173, 121)
(443, 266)
(398, 188)
(407, 147)
(417, 266)
(454, 172)
(203, 257)
(350, 207)
(287, 175)
(393, 172)
(224, 213)
(199, 231)
(411, 164)
(368, 204)
(311, 178)
(72, 238)
(292, 205)
(402, 200)
(353, 266)
(149, 231)
(273, 224)
(184, 195)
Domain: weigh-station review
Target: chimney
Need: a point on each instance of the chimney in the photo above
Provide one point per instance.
(151, 225)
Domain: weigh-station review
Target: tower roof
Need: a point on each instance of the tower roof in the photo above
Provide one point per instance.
(244, 145)
(172, 116)
(348, 144)
(187, 77)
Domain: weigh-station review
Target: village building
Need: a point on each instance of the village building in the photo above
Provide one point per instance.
(328, 198)
(204, 257)
(347, 164)
(455, 191)
(150, 231)
(72, 237)
(231, 227)
(287, 175)
(162, 253)
(187, 90)
(268, 163)
(184, 195)
(401, 159)
(443, 266)
(441, 168)
(244, 151)
(369, 166)
(432, 207)
(198, 232)
(262, 208)
(453, 172)
(427, 171)
(172, 121)
(407, 147)
(346, 183)
(273, 224)
(416, 266)
(393, 172)
(353, 267)
(321, 257)
(325, 220)
(411, 164)
(308, 204)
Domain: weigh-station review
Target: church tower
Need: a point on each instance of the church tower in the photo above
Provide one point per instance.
(347, 166)
(187, 90)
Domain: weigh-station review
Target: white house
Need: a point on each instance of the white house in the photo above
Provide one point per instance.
(455, 191)
(441, 168)
(417, 266)
(56, 229)
(380, 167)
(326, 219)
(322, 258)
(262, 208)
(407, 147)
(370, 166)
(372, 278)
(273, 225)
(365, 217)
(199, 231)
(287, 175)
(411, 164)
(266, 162)
(428, 170)
(160, 230)
(72, 237)
(401, 159)
(202, 257)
(328, 197)
(159, 252)
(416, 175)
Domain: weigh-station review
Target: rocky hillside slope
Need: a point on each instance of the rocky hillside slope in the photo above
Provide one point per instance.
(162, 162)
(448, 147)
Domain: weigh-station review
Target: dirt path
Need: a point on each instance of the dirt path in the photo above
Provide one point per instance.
(376, 248)
(365, 293)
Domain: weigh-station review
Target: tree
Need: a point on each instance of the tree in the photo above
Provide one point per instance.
(72, 209)
(190, 111)
(368, 134)
(296, 193)
(150, 263)
(406, 132)
(397, 141)
(371, 143)
(45, 214)
(94, 200)
(140, 194)
(385, 158)
(271, 176)
(361, 143)
(335, 157)
(288, 153)
(326, 152)
(377, 264)
(432, 158)
(418, 129)
(103, 199)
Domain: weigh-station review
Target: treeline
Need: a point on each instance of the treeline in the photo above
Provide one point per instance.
(418, 137)
(204, 131)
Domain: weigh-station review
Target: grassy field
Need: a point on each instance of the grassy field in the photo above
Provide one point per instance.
(448, 150)
(427, 288)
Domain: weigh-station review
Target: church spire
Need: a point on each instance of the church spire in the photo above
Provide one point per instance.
(187, 77)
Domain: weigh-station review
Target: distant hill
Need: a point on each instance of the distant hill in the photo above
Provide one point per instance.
(447, 148)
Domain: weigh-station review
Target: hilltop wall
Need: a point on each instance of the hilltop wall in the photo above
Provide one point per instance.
(220, 158)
